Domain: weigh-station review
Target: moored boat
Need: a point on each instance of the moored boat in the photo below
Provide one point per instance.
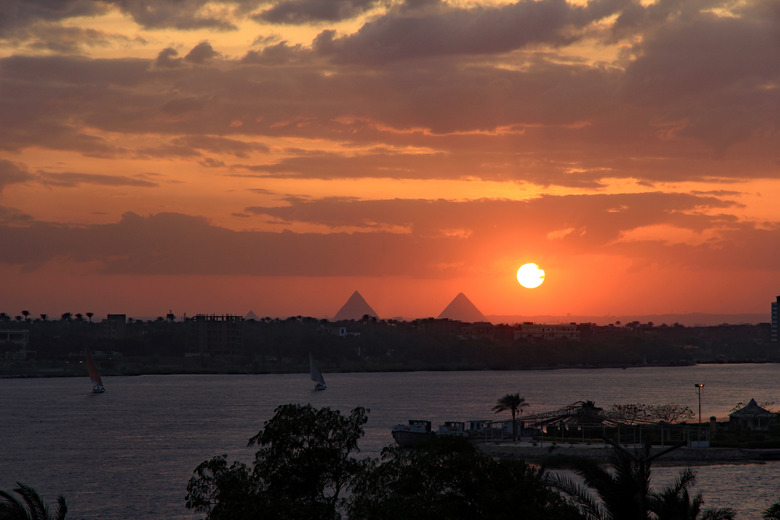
(406, 435)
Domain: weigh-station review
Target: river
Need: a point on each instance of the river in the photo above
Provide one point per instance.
(129, 453)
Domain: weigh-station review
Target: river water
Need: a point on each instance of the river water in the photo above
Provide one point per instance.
(129, 453)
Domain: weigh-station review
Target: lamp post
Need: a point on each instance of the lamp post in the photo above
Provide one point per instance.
(698, 389)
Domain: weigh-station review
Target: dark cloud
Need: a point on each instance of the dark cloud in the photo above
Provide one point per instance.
(416, 237)
(403, 35)
(201, 53)
(74, 179)
(12, 173)
(18, 14)
(220, 145)
(175, 14)
(308, 11)
(168, 58)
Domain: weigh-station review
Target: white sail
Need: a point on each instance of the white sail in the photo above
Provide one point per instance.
(316, 374)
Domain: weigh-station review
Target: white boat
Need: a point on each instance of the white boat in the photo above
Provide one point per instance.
(406, 435)
(94, 375)
(316, 374)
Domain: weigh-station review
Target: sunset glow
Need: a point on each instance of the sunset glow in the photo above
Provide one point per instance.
(228, 155)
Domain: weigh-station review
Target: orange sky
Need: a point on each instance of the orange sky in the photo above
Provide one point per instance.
(277, 155)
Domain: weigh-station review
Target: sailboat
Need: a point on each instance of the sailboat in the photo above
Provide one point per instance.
(94, 376)
(316, 374)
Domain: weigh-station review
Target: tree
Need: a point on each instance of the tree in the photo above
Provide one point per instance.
(621, 491)
(772, 512)
(675, 503)
(32, 506)
(26, 315)
(630, 413)
(447, 477)
(513, 403)
(44, 316)
(670, 412)
(617, 492)
(303, 464)
(89, 316)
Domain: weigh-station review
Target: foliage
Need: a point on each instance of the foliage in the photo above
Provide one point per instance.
(675, 503)
(513, 403)
(621, 491)
(302, 466)
(630, 413)
(618, 492)
(448, 478)
(32, 506)
(772, 512)
(670, 412)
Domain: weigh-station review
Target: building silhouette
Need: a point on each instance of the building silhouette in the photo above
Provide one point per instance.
(218, 335)
(775, 310)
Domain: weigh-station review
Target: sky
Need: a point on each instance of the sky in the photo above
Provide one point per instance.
(221, 156)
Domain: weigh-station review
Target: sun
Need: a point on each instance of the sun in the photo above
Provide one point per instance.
(530, 276)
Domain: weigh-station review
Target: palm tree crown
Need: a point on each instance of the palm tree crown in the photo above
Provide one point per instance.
(32, 506)
(515, 404)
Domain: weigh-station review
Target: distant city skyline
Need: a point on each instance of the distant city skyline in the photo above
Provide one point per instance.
(222, 155)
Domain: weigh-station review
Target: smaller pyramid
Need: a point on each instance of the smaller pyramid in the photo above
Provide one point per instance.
(355, 308)
(461, 309)
(251, 316)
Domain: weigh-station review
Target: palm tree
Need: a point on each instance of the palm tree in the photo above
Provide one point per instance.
(675, 503)
(44, 316)
(621, 491)
(617, 492)
(772, 512)
(32, 507)
(515, 404)
(89, 316)
(26, 315)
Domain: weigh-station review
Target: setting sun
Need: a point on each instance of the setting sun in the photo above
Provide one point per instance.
(530, 276)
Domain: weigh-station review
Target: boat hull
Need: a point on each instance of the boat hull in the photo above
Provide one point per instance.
(407, 439)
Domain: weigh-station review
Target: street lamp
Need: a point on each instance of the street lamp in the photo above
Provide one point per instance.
(698, 388)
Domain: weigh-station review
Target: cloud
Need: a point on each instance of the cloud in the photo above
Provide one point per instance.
(307, 11)
(405, 237)
(201, 53)
(18, 14)
(74, 179)
(177, 14)
(12, 173)
(404, 35)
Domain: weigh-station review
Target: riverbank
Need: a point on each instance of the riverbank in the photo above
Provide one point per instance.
(553, 454)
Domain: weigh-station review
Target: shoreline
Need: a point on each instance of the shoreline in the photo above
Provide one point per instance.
(551, 454)
(32, 373)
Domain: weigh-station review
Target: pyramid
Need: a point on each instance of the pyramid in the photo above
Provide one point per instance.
(251, 316)
(461, 309)
(355, 308)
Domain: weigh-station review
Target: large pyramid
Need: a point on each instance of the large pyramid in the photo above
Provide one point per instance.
(461, 309)
(355, 308)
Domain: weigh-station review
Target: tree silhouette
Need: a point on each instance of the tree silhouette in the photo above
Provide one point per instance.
(674, 502)
(89, 316)
(32, 506)
(44, 316)
(303, 464)
(772, 512)
(26, 315)
(513, 403)
(621, 491)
